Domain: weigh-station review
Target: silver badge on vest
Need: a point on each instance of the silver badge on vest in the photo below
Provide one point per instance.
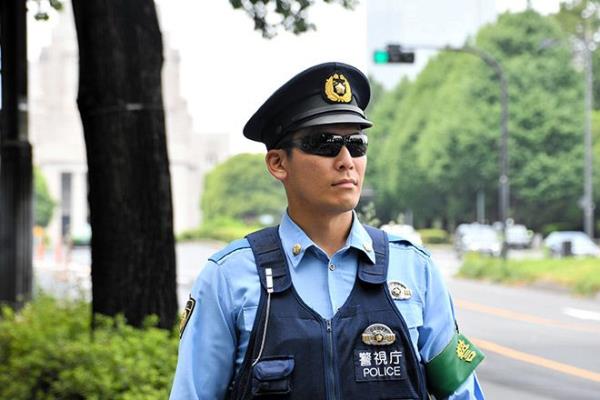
(399, 291)
(378, 335)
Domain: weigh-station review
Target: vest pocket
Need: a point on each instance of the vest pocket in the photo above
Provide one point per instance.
(272, 375)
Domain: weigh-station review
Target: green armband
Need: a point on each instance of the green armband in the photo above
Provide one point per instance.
(449, 369)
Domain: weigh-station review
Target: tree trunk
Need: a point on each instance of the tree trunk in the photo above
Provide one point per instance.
(120, 102)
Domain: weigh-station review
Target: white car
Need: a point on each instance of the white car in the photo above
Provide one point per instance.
(477, 238)
(581, 244)
(518, 236)
(404, 231)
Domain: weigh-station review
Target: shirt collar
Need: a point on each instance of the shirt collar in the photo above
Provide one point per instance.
(295, 242)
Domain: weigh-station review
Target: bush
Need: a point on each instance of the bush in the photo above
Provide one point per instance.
(580, 275)
(223, 229)
(434, 236)
(48, 351)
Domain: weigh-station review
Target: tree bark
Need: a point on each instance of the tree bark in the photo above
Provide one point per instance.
(121, 108)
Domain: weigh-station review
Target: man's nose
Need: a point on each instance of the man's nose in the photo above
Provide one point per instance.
(344, 159)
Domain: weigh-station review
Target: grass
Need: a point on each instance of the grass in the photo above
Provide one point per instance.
(580, 275)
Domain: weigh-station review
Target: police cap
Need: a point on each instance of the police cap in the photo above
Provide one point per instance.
(329, 93)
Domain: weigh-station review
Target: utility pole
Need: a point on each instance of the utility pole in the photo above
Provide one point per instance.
(588, 200)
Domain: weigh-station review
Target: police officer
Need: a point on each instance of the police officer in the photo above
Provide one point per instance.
(321, 307)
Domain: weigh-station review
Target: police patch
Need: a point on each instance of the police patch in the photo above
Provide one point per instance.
(186, 314)
(374, 365)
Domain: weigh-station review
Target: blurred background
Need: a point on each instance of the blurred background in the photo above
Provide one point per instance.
(485, 150)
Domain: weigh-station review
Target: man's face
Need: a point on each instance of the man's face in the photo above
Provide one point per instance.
(320, 184)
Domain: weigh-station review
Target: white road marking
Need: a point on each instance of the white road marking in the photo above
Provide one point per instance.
(582, 314)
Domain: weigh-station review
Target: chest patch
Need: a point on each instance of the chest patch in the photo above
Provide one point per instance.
(399, 291)
(374, 365)
(378, 335)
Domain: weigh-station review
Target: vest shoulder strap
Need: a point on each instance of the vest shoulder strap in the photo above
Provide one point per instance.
(375, 273)
(266, 247)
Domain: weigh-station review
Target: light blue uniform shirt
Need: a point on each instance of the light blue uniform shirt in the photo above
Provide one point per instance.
(227, 293)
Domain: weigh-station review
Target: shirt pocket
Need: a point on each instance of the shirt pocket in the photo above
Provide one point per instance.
(412, 313)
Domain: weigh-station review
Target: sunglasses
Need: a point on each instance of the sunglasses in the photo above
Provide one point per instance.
(329, 144)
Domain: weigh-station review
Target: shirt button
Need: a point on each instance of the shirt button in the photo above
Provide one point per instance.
(331, 267)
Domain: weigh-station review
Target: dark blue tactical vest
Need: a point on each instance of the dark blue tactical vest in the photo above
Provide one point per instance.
(307, 357)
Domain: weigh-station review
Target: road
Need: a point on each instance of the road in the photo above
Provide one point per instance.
(539, 343)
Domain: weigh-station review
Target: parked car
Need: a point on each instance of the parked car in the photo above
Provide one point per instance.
(580, 244)
(404, 231)
(518, 236)
(478, 238)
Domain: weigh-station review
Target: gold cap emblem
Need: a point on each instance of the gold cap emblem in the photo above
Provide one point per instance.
(296, 249)
(337, 89)
(399, 291)
(378, 335)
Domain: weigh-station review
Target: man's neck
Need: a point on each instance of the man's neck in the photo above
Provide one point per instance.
(329, 232)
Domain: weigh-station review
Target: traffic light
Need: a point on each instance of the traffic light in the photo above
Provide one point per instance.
(393, 54)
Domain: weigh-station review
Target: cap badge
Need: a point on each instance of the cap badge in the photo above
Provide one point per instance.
(378, 335)
(337, 89)
(399, 291)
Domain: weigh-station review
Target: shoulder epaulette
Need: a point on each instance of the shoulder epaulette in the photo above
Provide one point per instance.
(400, 240)
(232, 247)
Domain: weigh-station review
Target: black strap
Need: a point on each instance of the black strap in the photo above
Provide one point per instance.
(266, 247)
(375, 273)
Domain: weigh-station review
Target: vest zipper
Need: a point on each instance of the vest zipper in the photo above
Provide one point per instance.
(330, 373)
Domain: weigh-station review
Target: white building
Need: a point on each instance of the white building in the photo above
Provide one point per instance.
(58, 144)
(419, 24)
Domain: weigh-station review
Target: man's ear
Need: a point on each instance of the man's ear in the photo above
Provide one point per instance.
(276, 161)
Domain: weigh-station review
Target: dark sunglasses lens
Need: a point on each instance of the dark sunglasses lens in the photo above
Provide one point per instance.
(329, 145)
(323, 144)
(357, 145)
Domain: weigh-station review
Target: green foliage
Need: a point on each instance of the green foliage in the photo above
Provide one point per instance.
(435, 141)
(42, 201)
(367, 215)
(223, 229)
(241, 188)
(290, 14)
(47, 351)
(546, 229)
(581, 275)
(570, 17)
(434, 236)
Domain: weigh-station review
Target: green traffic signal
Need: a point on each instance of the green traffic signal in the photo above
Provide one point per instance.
(381, 57)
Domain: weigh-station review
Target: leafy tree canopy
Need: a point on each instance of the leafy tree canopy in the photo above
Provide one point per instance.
(43, 202)
(437, 138)
(242, 188)
(269, 15)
